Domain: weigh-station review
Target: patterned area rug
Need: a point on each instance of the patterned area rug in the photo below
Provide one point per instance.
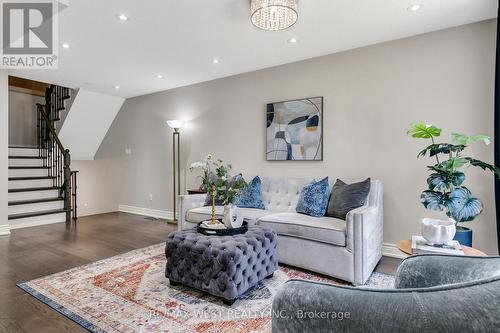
(129, 293)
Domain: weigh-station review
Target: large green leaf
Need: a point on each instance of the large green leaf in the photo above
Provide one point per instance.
(432, 200)
(441, 148)
(462, 206)
(450, 165)
(444, 181)
(483, 165)
(423, 131)
(462, 139)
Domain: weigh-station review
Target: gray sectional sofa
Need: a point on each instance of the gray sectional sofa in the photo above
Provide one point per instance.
(348, 250)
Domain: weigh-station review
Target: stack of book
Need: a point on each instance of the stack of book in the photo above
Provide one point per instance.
(419, 246)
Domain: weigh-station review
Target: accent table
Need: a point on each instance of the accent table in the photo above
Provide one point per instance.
(405, 246)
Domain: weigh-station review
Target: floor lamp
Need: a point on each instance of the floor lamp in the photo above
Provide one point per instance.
(176, 125)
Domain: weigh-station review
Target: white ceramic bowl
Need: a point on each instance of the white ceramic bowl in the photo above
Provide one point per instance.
(438, 231)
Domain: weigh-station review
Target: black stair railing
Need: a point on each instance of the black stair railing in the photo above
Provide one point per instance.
(54, 156)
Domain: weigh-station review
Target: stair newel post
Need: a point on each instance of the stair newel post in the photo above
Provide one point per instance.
(67, 184)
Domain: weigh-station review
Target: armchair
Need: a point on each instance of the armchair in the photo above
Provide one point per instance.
(433, 293)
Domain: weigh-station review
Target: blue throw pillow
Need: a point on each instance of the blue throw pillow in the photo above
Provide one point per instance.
(251, 195)
(313, 200)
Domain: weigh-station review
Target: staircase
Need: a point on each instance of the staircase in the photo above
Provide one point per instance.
(42, 187)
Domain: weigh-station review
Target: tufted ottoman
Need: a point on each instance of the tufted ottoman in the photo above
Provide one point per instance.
(224, 266)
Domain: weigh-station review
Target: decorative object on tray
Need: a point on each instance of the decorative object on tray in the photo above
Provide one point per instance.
(232, 217)
(438, 232)
(295, 130)
(445, 183)
(219, 229)
(419, 245)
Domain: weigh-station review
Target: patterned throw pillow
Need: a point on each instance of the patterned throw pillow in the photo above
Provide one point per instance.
(251, 195)
(313, 199)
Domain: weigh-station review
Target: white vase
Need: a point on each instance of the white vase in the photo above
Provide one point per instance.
(227, 215)
(232, 217)
(437, 232)
(238, 219)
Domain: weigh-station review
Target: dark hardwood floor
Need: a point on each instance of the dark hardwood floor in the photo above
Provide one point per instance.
(30, 253)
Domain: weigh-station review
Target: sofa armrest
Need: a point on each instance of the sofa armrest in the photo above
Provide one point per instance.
(365, 234)
(303, 306)
(187, 202)
(429, 270)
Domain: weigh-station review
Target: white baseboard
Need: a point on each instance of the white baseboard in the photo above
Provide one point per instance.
(37, 221)
(4, 230)
(391, 250)
(162, 214)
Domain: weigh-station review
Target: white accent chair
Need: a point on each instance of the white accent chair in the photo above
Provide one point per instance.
(348, 250)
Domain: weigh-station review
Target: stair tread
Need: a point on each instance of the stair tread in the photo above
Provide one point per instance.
(25, 157)
(28, 167)
(27, 202)
(32, 178)
(40, 213)
(24, 147)
(31, 189)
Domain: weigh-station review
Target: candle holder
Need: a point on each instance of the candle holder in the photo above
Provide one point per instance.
(213, 219)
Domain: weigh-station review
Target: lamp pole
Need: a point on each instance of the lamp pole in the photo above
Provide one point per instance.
(176, 152)
(176, 125)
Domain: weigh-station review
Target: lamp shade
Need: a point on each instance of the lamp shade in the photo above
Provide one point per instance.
(175, 124)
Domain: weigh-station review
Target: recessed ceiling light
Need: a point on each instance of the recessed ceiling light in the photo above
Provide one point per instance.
(215, 61)
(292, 40)
(65, 45)
(159, 76)
(122, 17)
(117, 87)
(414, 8)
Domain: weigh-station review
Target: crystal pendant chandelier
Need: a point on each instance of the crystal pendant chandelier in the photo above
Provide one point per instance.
(274, 14)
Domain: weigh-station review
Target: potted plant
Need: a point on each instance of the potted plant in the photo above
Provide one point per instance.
(446, 191)
(220, 184)
(205, 166)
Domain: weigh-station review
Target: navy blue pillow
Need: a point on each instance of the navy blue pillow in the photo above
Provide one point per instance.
(251, 195)
(313, 199)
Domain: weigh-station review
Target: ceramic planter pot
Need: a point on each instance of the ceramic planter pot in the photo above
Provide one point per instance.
(438, 232)
(464, 236)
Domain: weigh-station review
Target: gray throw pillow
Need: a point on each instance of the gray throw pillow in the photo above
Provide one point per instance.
(346, 197)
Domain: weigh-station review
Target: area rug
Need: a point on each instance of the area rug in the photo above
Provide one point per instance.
(129, 293)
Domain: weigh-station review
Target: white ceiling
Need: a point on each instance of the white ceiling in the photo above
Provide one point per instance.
(179, 39)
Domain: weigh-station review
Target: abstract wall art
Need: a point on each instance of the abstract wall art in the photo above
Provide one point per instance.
(295, 130)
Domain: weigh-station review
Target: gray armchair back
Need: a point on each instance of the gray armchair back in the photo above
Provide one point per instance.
(434, 293)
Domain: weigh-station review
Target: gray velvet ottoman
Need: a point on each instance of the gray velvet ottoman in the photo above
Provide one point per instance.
(224, 266)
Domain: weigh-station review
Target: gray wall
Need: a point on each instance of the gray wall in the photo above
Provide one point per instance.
(22, 118)
(371, 95)
(4, 130)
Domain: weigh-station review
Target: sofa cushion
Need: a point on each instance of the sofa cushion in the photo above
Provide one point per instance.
(313, 198)
(251, 195)
(196, 215)
(346, 197)
(322, 229)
